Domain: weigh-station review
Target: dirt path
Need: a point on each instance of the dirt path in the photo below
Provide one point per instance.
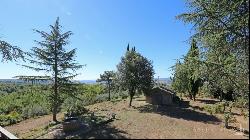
(31, 124)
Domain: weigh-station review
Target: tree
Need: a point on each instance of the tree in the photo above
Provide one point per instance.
(9, 52)
(187, 78)
(56, 61)
(222, 29)
(180, 82)
(135, 73)
(192, 63)
(107, 77)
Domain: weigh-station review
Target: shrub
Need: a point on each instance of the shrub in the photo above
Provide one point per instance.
(123, 94)
(3, 119)
(74, 107)
(13, 117)
(246, 114)
(219, 108)
(242, 102)
(209, 109)
(102, 97)
(35, 110)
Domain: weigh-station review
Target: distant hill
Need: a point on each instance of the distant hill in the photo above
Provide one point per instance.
(164, 80)
(87, 81)
(17, 81)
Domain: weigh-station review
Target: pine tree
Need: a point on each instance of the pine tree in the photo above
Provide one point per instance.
(52, 58)
(187, 78)
(222, 29)
(10, 52)
(107, 77)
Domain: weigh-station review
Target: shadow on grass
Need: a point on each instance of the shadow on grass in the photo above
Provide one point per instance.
(207, 101)
(104, 132)
(180, 112)
(244, 131)
(140, 99)
(99, 128)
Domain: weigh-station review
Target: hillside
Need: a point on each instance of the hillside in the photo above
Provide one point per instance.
(142, 121)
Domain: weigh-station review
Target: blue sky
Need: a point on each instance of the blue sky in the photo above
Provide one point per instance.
(102, 29)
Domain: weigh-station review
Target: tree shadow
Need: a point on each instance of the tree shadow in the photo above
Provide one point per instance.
(180, 112)
(98, 127)
(198, 108)
(207, 101)
(105, 132)
(244, 131)
(140, 99)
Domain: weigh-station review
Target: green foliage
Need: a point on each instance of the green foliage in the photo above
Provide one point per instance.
(52, 58)
(84, 95)
(209, 109)
(36, 110)
(29, 101)
(32, 100)
(242, 102)
(9, 52)
(11, 118)
(135, 73)
(187, 77)
(107, 77)
(228, 116)
(217, 108)
(222, 31)
(74, 107)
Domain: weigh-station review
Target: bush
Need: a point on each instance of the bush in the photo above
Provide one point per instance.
(74, 107)
(32, 111)
(11, 118)
(242, 102)
(101, 98)
(123, 94)
(3, 120)
(246, 114)
(219, 107)
(209, 109)
(14, 117)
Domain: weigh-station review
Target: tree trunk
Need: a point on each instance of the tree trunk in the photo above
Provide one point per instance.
(55, 88)
(130, 102)
(55, 103)
(109, 90)
(190, 96)
(221, 96)
(131, 93)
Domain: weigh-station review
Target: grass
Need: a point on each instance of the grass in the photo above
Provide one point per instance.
(35, 133)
